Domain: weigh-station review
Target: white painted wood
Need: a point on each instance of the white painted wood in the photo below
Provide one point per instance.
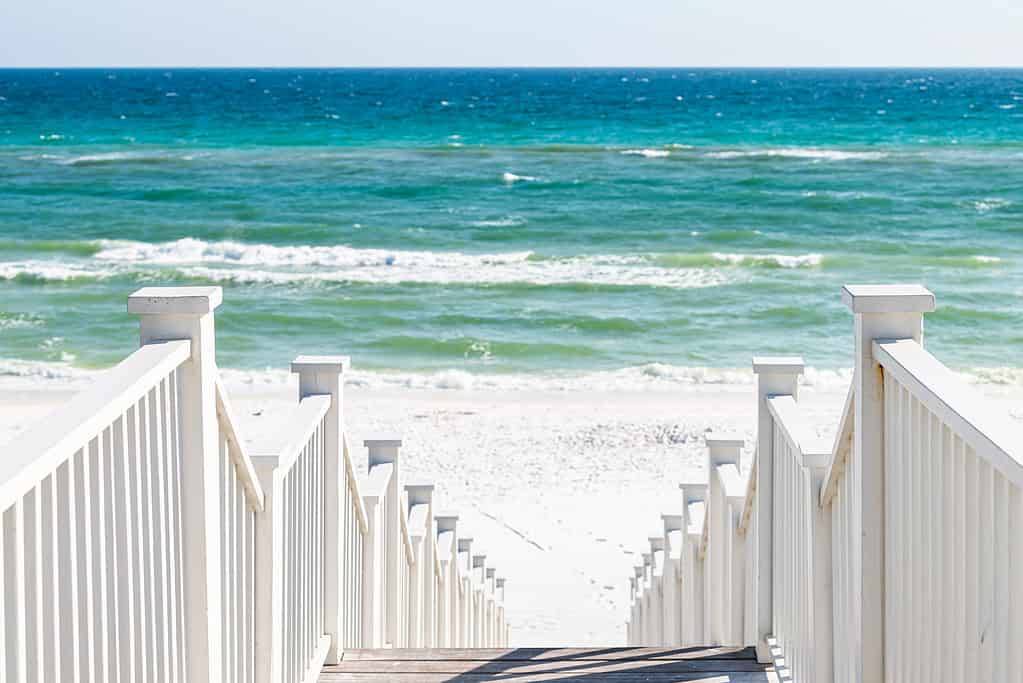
(879, 312)
(186, 313)
(320, 375)
(38, 451)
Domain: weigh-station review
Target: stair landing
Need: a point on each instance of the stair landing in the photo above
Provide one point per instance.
(587, 665)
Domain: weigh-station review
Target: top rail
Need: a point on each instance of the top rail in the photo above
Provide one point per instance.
(797, 430)
(306, 419)
(955, 402)
(242, 462)
(840, 450)
(39, 451)
(353, 487)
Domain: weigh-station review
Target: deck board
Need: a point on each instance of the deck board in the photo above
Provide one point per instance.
(589, 665)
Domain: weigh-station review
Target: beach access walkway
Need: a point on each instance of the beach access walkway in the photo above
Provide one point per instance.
(143, 540)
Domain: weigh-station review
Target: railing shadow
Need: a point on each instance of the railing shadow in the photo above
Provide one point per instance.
(656, 665)
(619, 664)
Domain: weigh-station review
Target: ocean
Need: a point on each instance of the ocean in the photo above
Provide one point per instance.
(511, 227)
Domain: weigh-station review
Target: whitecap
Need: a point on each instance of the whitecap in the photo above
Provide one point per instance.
(781, 260)
(647, 153)
(507, 222)
(990, 204)
(514, 178)
(812, 153)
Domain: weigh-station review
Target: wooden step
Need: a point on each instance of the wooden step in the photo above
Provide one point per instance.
(590, 665)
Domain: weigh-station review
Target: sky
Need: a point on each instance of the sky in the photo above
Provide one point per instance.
(70, 33)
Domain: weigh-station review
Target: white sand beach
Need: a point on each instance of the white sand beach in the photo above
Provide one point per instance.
(564, 486)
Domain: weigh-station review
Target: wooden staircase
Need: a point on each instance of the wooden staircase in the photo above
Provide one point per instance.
(589, 665)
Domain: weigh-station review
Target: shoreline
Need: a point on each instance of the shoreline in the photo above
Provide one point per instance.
(558, 482)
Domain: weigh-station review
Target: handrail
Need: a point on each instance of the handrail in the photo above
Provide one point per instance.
(378, 480)
(792, 421)
(39, 451)
(406, 538)
(306, 419)
(353, 487)
(751, 495)
(241, 459)
(731, 481)
(840, 450)
(955, 402)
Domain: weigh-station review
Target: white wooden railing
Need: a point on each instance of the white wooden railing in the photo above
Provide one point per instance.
(140, 541)
(893, 553)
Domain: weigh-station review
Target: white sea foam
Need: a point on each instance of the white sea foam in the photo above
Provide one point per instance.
(513, 178)
(651, 376)
(648, 153)
(812, 153)
(987, 259)
(262, 263)
(990, 204)
(507, 222)
(782, 260)
(229, 261)
(52, 271)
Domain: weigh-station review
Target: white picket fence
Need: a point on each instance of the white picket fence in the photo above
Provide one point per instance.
(894, 553)
(140, 541)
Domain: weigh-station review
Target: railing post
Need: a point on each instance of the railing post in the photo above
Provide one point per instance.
(491, 608)
(880, 312)
(669, 592)
(693, 625)
(167, 313)
(721, 450)
(323, 375)
(373, 558)
(465, 618)
(447, 622)
(775, 377)
(384, 451)
(656, 589)
(479, 566)
(425, 620)
(501, 624)
(269, 583)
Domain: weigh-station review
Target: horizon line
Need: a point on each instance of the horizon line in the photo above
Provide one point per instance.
(804, 67)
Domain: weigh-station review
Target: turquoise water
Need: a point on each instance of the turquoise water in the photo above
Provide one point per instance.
(510, 221)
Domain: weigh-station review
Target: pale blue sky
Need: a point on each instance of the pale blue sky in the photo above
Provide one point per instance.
(511, 32)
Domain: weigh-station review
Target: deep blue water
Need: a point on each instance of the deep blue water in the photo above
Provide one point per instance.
(511, 221)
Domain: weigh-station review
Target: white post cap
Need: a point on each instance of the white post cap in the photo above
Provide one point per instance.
(490, 572)
(446, 521)
(778, 365)
(724, 448)
(693, 491)
(419, 493)
(336, 364)
(888, 298)
(672, 521)
(656, 543)
(382, 451)
(500, 581)
(382, 443)
(175, 300)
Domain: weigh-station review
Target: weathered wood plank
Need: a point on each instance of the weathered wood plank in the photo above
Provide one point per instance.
(538, 653)
(549, 666)
(616, 677)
